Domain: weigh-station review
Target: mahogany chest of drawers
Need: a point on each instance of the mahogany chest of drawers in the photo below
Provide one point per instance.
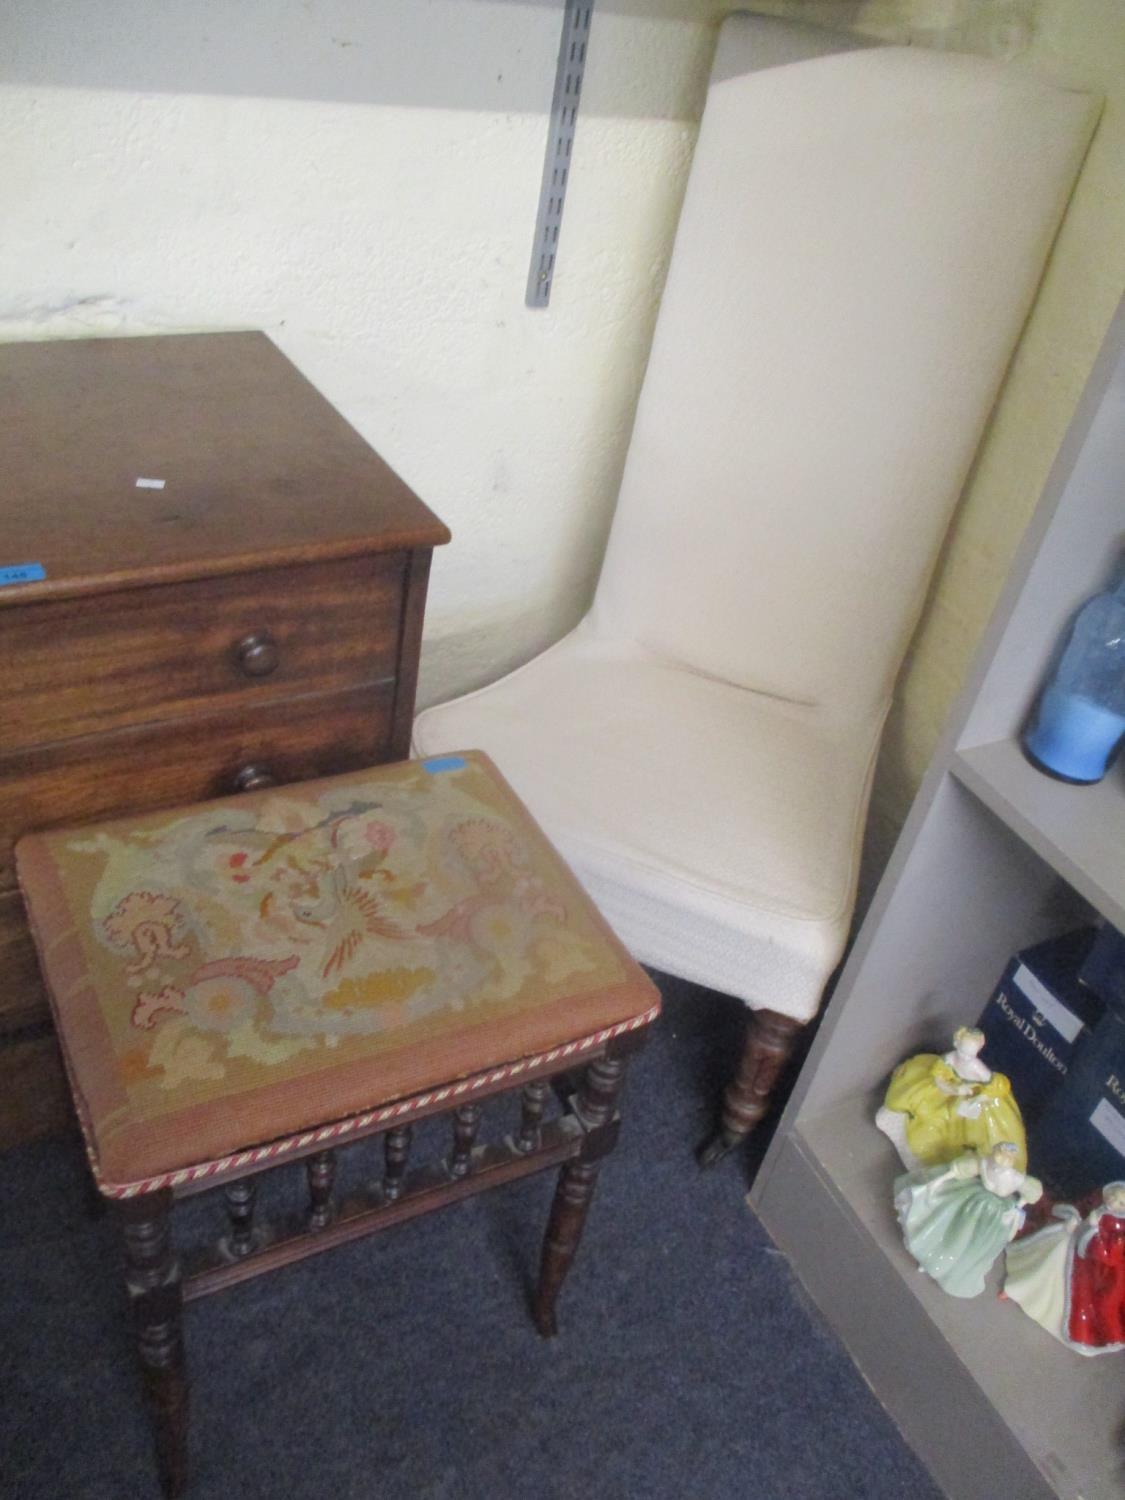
(208, 582)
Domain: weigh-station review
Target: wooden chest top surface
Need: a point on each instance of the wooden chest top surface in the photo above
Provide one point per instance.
(258, 468)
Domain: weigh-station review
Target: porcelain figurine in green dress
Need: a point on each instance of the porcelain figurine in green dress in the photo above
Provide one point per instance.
(957, 1218)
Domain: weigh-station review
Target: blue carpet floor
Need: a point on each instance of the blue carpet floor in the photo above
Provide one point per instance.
(689, 1367)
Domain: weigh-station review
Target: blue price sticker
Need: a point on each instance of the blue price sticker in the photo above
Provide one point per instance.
(22, 573)
(444, 763)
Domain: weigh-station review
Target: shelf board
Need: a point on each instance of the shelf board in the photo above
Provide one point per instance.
(1065, 1410)
(1078, 830)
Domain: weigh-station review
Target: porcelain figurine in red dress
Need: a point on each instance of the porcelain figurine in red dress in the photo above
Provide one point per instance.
(1070, 1275)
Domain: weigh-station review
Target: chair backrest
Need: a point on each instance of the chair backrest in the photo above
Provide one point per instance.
(861, 239)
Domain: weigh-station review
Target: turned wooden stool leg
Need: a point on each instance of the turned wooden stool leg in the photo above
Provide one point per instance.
(596, 1108)
(152, 1278)
(770, 1039)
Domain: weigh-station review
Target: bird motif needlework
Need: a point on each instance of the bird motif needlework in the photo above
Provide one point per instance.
(234, 944)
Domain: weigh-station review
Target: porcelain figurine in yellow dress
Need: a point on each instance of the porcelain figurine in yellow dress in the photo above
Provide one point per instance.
(939, 1106)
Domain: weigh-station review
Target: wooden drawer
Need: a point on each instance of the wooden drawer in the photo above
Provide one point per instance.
(159, 765)
(34, 1098)
(23, 1001)
(84, 665)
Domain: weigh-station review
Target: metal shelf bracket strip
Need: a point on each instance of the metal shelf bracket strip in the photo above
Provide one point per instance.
(560, 144)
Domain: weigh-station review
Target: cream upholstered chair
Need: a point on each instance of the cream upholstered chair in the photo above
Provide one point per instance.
(862, 237)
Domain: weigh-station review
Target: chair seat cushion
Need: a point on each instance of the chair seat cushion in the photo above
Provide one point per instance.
(229, 973)
(718, 829)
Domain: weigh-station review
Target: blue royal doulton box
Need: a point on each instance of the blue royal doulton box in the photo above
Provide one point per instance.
(1103, 969)
(1039, 1018)
(1078, 1144)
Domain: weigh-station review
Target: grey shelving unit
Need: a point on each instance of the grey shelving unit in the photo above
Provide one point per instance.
(994, 856)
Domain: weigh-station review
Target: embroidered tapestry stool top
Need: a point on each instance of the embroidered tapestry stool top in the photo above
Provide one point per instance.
(228, 975)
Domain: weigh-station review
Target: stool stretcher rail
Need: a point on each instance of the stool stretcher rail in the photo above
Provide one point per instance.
(364, 1213)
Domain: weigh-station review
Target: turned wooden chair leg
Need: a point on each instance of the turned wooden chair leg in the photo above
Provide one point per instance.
(770, 1039)
(152, 1279)
(596, 1107)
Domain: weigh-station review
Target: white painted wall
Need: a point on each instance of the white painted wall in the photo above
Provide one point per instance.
(359, 178)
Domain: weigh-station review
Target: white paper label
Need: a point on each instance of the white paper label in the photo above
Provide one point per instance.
(150, 484)
(1106, 1121)
(1065, 1022)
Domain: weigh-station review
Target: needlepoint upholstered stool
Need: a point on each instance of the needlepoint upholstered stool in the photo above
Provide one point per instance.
(257, 980)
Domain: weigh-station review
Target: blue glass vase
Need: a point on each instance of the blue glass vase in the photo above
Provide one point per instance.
(1080, 718)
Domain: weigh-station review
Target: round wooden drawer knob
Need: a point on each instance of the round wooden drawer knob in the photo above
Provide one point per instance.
(258, 655)
(254, 779)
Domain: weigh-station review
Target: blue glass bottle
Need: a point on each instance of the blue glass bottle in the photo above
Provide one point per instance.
(1080, 719)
